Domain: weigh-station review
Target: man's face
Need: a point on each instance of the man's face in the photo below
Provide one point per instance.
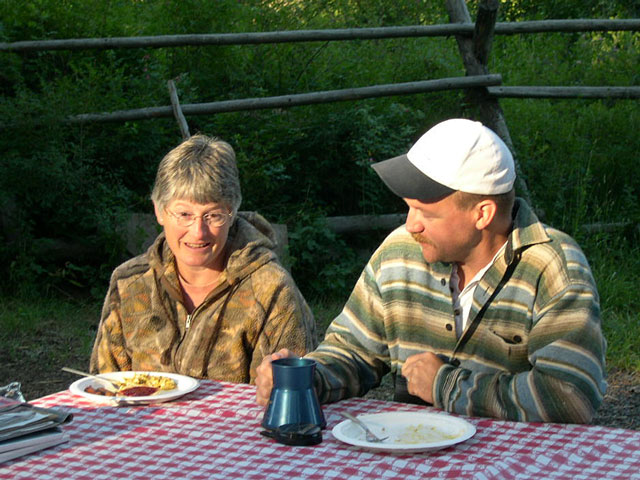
(445, 232)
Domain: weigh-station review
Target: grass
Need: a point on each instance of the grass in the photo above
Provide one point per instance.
(615, 264)
(40, 335)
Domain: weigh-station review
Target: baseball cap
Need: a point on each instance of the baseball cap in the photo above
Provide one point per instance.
(457, 154)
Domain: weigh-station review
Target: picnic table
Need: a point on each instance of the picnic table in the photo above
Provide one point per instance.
(214, 433)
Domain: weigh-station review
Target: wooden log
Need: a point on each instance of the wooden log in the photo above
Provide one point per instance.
(564, 92)
(568, 26)
(489, 109)
(141, 229)
(484, 30)
(390, 221)
(177, 111)
(358, 223)
(292, 36)
(608, 227)
(458, 13)
(294, 100)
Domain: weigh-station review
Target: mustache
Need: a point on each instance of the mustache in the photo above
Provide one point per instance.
(420, 239)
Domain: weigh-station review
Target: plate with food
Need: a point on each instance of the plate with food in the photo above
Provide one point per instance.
(407, 432)
(134, 388)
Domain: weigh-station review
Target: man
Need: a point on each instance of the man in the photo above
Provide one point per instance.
(474, 306)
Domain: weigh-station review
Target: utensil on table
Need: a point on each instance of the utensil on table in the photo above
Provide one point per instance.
(369, 435)
(111, 385)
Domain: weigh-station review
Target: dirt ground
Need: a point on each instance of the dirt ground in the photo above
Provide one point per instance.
(621, 406)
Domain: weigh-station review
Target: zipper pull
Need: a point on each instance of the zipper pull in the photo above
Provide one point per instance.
(188, 323)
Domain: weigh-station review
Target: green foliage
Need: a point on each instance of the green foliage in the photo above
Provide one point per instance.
(575, 154)
(311, 243)
(65, 184)
(615, 260)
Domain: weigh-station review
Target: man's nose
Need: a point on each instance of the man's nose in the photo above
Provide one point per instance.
(412, 225)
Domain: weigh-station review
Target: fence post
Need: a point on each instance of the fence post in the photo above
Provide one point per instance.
(177, 111)
(475, 55)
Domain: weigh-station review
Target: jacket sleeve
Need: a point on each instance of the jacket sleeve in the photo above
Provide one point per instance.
(566, 381)
(287, 319)
(109, 354)
(354, 355)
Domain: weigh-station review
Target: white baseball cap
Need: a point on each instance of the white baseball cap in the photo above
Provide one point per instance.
(457, 154)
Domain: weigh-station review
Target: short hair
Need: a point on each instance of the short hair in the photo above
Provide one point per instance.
(504, 201)
(201, 170)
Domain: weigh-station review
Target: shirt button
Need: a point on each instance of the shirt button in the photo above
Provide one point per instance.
(443, 282)
(456, 312)
(449, 327)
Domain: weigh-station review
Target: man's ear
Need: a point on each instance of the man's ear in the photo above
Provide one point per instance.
(159, 214)
(485, 213)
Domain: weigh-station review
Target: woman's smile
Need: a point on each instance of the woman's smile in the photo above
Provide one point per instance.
(196, 246)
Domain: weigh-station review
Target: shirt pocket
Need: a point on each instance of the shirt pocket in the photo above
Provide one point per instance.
(509, 347)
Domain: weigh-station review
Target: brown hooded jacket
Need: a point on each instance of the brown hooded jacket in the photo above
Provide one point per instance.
(255, 310)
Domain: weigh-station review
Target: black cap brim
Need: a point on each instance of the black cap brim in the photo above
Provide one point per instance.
(406, 181)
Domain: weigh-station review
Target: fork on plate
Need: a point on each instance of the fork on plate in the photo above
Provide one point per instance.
(369, 435)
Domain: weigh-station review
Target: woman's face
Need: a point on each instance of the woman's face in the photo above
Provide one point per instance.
(201, 244)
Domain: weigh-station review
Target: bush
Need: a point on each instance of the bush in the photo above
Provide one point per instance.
(66, 187)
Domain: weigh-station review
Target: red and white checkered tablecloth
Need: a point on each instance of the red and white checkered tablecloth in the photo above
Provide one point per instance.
(214, 433)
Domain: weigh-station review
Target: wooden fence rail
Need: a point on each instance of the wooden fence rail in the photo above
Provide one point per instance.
(474, 41)
(565, 92)
(293, 36)
(294, 100)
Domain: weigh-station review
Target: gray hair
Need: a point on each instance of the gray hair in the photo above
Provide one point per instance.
(201, 170)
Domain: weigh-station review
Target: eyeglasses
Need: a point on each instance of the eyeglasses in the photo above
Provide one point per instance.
(214, 219)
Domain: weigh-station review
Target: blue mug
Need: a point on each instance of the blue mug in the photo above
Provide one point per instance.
(293, 399)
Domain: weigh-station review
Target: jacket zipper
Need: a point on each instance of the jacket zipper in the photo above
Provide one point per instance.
(188, 322)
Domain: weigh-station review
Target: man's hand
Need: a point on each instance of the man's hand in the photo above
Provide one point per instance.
(420, 370)
(264, 377)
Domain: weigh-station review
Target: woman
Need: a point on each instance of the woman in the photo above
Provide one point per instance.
(209, 298)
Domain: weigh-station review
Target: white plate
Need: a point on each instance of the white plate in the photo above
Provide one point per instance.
(408, 431)
(184, 385)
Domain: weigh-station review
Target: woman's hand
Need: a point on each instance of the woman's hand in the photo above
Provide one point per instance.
(264, 378)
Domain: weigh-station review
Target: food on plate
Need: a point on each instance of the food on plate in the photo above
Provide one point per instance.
(99, 391)
(162, 383)
(137, 391)
(139, 385)
(424, 434)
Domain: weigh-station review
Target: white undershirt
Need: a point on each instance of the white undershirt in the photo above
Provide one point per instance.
(462, 300)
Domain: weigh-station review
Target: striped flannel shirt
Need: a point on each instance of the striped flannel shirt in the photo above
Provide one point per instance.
(532, 350)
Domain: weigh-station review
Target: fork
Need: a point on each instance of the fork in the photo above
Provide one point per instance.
(369, 435)
(111, 384)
